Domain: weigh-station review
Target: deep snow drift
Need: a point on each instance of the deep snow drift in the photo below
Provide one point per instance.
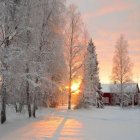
(111, 123)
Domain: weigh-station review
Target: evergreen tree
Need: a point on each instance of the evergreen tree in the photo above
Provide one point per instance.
(91, 75)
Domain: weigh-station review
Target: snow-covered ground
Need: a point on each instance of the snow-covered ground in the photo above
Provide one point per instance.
(111, 123)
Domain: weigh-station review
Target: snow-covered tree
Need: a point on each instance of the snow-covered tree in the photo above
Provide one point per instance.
(31, 50)
(122, 66)
(73, 32)
(91, 75)
(51, 45)
(7, 32)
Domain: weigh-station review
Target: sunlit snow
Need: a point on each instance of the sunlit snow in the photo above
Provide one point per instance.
(111, 123)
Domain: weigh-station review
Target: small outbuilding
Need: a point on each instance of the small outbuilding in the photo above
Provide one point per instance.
(112, 93)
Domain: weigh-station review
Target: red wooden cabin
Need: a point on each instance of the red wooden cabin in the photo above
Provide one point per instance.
(111, 98)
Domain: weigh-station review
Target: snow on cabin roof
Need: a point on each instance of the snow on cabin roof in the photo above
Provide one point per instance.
(111, 88)
(106, 87)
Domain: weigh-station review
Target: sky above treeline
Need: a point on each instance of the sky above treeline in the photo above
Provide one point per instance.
(106, 20)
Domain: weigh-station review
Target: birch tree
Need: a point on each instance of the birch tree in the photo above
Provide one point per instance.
(73, 46)
(122, 66)
(50, 62)
(31, 50)
(8, 31)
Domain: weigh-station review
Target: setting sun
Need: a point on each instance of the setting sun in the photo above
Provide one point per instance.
(75, 87)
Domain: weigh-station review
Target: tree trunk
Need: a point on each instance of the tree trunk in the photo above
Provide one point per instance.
(34, 111)
(3, 111)
(70, 68)
(20, 107)
(27, 92)
(133, 100)
(28, 99)
(70, 80)
(16, 108)
(3, 116)
(69, 100)
(122, 98)
(34, 107)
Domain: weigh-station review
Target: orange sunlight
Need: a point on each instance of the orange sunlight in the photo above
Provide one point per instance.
(75, 86)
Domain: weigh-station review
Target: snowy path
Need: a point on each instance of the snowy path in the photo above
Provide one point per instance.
(110, 123)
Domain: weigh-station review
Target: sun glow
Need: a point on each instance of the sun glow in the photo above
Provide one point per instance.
(75, 87)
